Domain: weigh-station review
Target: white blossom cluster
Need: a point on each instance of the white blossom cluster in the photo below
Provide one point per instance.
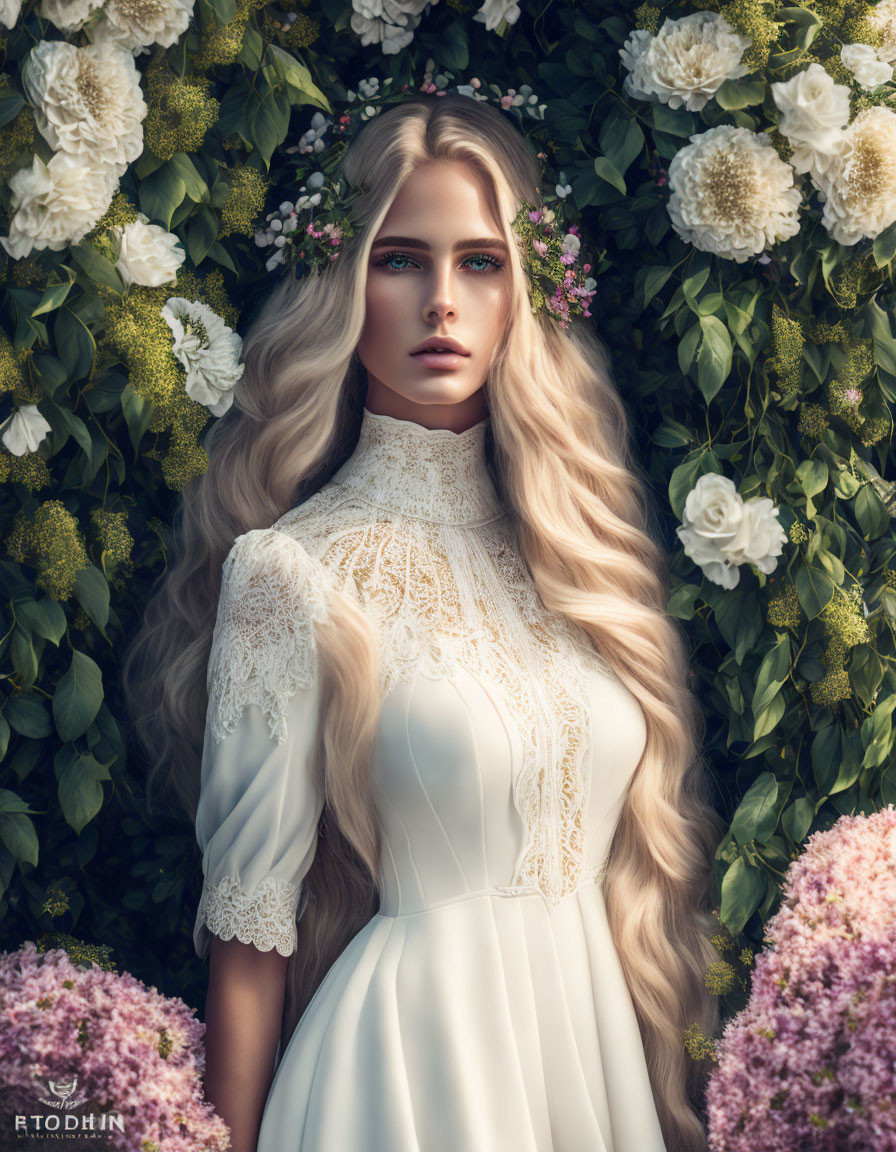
(730, 192)
(720, 530)
(391, 23)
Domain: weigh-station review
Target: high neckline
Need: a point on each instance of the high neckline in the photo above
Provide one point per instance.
(429, 473)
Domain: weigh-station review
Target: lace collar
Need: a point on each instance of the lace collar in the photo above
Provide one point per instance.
(429, 473)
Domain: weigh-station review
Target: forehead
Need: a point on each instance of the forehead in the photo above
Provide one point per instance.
(441, 197)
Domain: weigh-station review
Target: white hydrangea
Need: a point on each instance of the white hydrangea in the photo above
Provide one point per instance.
(720, 531)
(814, 111)
(135, 25)
(149, 255)
(389, 23)
(69, 15)
(87, 101)
(883, 17)
(207, 349)
(867, 67)
(859, 189)
(493, 12)
(686, 62)
(57, 203)
(9, 12)
(732, 194)
(25, 430)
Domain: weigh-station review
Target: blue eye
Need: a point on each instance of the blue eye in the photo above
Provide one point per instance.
(492, 262)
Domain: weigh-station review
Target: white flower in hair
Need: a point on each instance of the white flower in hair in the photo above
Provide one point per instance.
(883, 17)
(865, 64)
(87, 101)
(493, 12)
(814, 112)
(389, 23)
(9, 12)
(732, 194)
(25, 430)
(720, 531)
(57, 203)
(207, 349)
(69, 15)
(149, 255)
(135, 27)
(686, 62)
(859, 189)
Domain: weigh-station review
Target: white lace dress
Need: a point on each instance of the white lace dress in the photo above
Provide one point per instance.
(483, 1008)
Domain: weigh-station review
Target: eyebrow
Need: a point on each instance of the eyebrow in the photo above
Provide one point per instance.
(461, 246)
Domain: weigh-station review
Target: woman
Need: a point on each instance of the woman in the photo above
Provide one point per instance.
(455, 842)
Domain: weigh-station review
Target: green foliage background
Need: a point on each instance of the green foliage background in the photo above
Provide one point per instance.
(732, 368)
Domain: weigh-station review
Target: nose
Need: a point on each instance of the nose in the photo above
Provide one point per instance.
(439, 293)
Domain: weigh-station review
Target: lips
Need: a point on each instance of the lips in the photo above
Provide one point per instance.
(446, 344)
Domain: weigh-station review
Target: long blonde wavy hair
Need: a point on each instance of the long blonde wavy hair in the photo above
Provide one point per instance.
(559, 446)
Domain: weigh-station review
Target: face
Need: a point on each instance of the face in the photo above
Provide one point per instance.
(424, 279)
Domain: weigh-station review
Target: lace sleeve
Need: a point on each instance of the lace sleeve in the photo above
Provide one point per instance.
(260, 800)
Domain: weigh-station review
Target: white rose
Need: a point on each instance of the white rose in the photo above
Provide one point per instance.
(859, 188)
(389, 23)
(9, 12)
(686, 62)
(56, 204)
(760, 537)
(149, 255)
(493, 12)
(25, 430)
(135, 27)
(863, 62)
(883, 17)
(69, 15)
(814, 112)
(87, 101)
(208, 350)
(732, 194)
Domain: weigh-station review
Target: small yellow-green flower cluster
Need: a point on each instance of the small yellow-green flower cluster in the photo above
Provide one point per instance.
(221, 44)
(304, 30)
(890, 577)
(859, 276)
(798, 533)
(786, 349)
(137, 334)
(751, 18)
(813, 420)
(821, 332)
(784, 609)
(843, 619)
(210, 290)
(114, 537)
(699, 1046)
(56, 901)
(834, 685)
(12, 378)
(648, 18)
(119, 214)
(180, 111)
(78, 951)
(16, 137)
(723, 942)
(51, 543)
(720, 978)
(245, 201)
(780, 143)
(834, 67)
(30, 470)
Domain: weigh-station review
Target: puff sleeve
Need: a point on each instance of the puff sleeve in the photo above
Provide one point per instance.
(259, 802)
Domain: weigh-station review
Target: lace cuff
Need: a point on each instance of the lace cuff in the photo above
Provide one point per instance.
(265, 918)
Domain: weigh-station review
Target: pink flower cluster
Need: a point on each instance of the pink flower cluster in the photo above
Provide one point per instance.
(133, 1051)
(810, 1063)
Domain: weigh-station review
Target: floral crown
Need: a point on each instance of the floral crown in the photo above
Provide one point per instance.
(312, 230)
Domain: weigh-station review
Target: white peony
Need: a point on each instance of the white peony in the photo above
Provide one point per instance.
(69, 15)
(87, 101)
(883, 16)
(149, 255)
(25, 430)
(135, 25)
(56, 204)
(867, 67)
(686, 62)
(390, 23)
(859, 190)
(814, 111)
(720, 531)
(208, 350)
(732, 194)
(493, 12)
(9, 12)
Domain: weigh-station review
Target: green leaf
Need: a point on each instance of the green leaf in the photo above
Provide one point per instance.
(650, 280)
(743, 888)
(46, 618)
(877, 733)
(681, 602)
(100, 269)
(80, 791)
(78, 696)
(92, 593)
(770, 716)
(294, 73)
(812, 476)
(28, 716)
(75, 344)
(621, 141)
(18, 835)
(202, 232)
(742, 93)
(814, 589)
(160, 193)
(884, 248)
(138, 414)
(671, 434)
(757, 816)
(11, 104)
(825, 757)
(54, 294)
(683, 479)
(185, 170)
(796, 819)
(871, 515)
(608, 171)
(687, 346)
(713, 357)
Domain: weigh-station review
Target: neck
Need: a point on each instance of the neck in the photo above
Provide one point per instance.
(427, 473)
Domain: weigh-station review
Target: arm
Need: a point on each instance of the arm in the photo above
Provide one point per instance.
(242, 1015)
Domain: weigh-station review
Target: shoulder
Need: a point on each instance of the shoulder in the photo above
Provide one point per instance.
(274, 566)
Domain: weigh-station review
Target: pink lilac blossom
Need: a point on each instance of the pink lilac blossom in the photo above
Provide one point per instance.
(810, 1063)
(133, 1051)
